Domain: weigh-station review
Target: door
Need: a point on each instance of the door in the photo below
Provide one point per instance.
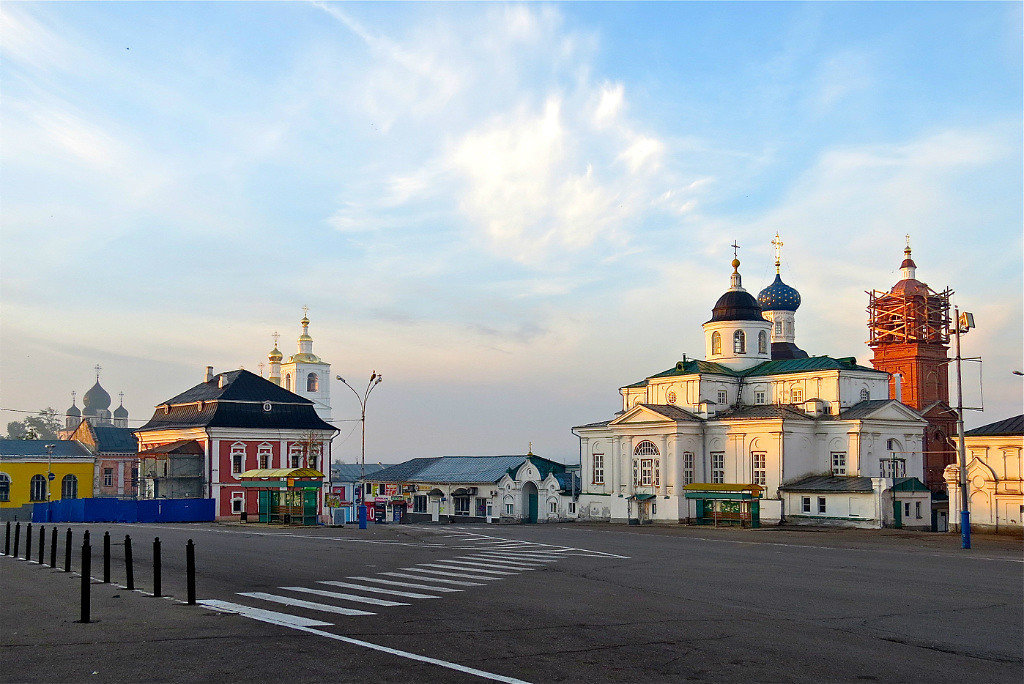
(435, 509)
(897, 514)
(530, 494)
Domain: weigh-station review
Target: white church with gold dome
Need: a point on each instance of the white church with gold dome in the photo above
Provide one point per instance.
(756, 429)
(304, 373)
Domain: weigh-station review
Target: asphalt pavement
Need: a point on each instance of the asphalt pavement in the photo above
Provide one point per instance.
(522, 603)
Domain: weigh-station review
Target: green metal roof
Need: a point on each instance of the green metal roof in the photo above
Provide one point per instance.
(910, 484)
(780, 367)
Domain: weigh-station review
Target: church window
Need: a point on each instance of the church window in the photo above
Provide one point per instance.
(312, 382)
(5, 487)
(264, 454)
(295, 455)
(760, 397)
(718, 467)
(646, 471)
(716, 343)
(553, 506)
(762, 342)
(839, 463)
(69, 487)
(288, 381)
(108, 477)
(739, 342)
(598, 468)
(864, 394)
(723, 397)
(646, 448)
(688, 467)
(759, 460)
(893, 467)
(778, 328)
(237, 457)
(37, 488)
(509, 509)
(798, 395)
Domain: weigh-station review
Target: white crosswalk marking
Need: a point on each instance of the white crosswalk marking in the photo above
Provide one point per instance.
(444, 573)
(519, 556)
(288, 601)
(378, 590)
(421, 578)
(488, 563)
(447, 565)
(413, 585)
(347, 597)
(262, 615)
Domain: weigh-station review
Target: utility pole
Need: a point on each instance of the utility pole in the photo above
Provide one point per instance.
(965, 514)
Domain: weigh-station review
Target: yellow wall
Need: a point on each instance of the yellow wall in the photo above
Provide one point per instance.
(21, 473)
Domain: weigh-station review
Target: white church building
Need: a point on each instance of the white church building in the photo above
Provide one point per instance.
(713, 440)
(304, 373)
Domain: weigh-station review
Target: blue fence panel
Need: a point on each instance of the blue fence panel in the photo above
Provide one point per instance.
(125, 510)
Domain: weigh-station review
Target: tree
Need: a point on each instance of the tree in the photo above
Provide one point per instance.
(44, 425)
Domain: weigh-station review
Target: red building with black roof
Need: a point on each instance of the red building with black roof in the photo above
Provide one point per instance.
(241, 422)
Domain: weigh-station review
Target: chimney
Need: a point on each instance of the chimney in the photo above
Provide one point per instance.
(897, 379)
(222, 381)
(209, 373)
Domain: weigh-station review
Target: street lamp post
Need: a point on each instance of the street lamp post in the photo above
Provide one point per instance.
(49, 477)
(375, 379)
(964, 322)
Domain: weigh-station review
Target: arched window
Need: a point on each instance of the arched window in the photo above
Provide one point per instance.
(288, 381)
(739, 342)
(5, 487)
(312, 382)
(864, 394)
(238, 457)
(716, 343)
(37, 488)
(263, 455)
(646, 465)
(295, 454)
(69, 487)
(762, 342)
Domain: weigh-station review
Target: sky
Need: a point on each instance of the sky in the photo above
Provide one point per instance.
(508, 210)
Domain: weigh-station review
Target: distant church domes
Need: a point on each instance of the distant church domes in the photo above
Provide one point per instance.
(779, 296)
(96, 399)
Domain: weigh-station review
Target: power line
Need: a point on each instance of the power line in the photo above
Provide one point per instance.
(38, 412)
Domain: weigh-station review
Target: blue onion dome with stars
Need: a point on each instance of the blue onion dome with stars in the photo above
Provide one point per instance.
(779, 296)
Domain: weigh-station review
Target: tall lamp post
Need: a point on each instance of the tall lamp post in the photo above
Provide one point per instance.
(49, 477)
(375, 379)
(964, 322)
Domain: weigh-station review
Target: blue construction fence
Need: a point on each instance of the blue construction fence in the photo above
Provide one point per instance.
(125, 510)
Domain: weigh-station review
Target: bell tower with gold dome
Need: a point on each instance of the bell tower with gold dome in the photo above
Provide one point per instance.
(304, 373)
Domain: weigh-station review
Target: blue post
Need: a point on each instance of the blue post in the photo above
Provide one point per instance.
(362, 517)
(965, 528)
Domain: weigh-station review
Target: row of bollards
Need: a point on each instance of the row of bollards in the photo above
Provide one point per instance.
(86, 561)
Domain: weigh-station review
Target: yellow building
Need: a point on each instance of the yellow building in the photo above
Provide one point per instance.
(24, 464)
(995, 477)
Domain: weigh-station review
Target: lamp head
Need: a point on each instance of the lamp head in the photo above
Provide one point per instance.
(340, 378)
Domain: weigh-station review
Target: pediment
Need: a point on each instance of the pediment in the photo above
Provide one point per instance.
(894, 410)
(641, 414)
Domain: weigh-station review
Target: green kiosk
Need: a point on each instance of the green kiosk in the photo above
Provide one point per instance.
(721, 503)
(287, 496)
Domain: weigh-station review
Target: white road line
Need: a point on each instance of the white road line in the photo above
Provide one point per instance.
(491, 563)
(523, 557)
(346, 597)
(453, 566)
(406, 584)
(306, 625)
(452, 574)
(378, 590)
(270, 616)
(421, 578)
(288, 601)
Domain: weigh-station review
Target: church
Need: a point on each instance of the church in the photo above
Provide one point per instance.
(757, 430)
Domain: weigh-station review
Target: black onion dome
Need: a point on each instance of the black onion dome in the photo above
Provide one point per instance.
(121, 412)
(73, 411)
(736, 305)
(779, 296)
(96, 398)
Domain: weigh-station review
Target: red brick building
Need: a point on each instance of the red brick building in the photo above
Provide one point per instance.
(909, 327)
(241, 422)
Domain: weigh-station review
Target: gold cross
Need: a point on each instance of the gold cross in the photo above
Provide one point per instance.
(778, 251)
(735, 247)
(275, 335)
(305, 312)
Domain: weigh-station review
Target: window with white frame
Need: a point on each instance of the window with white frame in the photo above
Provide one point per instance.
(572, 508)
(419, 503)
(263, 455)
(762, 342)
(893, 467)
(688, 467)
(646, 471)
(553, 507)
(821, 504)
(717, 466)
(37, 488)
(864, 394)
(598, 469)
(69, 487)
(739, 342)
(917, 509)
(723, 397)
(798, 395)
(237, 457)
(312, 383)
(461, 505)
(778, 328)
(5, 487)
(760, 397)
(236, 502)
(108, 477)
(295, 452)
(716, 343)
(906, 509)
(839, 463)
(758, 462)
(510, 509)
(805, 504)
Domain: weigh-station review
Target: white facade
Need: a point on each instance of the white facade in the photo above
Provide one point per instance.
(995, 481)
(304, 373)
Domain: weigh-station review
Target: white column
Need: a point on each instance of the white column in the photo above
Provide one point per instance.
(630, 487)
(613, 462)
(585, 460)
(663, 447)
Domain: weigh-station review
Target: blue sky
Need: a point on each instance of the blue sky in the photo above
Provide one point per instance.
(509, 210)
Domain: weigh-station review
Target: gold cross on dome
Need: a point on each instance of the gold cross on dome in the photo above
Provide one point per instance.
(275, 335)
(735, 250)
(777, 242)
(908, 240)
(305, 312)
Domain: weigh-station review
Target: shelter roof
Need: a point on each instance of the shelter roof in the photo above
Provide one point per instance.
(280, 472)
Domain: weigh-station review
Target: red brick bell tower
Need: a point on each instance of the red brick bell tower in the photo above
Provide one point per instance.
(909, 327)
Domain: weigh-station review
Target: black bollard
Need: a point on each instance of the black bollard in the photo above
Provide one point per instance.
(86, 580)
(7, 540)
(129, 570)
(17, 538)
(67, 551)
(53, 547)
(106, 557)
(190, 571)
(156, 566)
(28, 541)
(42, 543)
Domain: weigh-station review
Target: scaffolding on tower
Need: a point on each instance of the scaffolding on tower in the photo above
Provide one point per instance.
(915, 314)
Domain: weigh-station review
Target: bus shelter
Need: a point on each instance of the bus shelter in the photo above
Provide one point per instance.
(285, 496)
(725, 504)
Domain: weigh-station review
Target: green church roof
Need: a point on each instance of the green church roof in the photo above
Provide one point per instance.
(780, 367)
